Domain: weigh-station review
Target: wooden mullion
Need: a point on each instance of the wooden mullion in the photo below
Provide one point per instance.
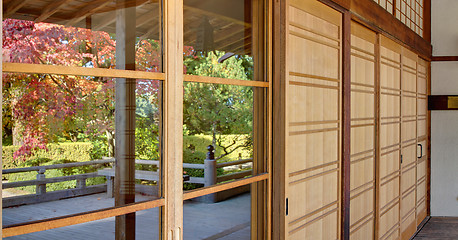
(79, 71)
(227, 81)
(224, 186)
(346, 127)
(394, 8)
(172, 214)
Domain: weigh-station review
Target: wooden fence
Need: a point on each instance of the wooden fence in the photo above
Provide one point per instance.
(41, 195)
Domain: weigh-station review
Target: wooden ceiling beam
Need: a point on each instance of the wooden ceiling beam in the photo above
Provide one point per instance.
(51, 9)
(13, 7)
(234, 45)
(145, 18)
(213, 14)
(150, 32)
(107, 20)
(88, 10)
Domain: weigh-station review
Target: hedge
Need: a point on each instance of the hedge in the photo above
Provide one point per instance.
(195, 148)
(78, 152)
(194, 151)
(56, 154)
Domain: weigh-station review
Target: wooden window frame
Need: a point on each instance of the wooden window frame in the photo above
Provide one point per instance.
(173, 78)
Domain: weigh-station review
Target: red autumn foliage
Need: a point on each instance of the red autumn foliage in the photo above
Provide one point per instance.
(45, 106)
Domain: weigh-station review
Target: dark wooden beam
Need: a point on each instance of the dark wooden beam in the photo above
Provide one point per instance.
(88, 10)
(427, 20)
(444, 58)
(219, 9)
(443, 102)
(49, 10)
(345, 4)
(13, 7)
(372, 15)
(346, 127)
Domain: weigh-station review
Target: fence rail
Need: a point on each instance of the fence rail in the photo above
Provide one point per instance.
(83, 176)
(57, 166)
(81, 188)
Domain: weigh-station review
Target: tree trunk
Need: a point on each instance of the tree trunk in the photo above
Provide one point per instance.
(17, 139)
(214, 135)
(110, 141)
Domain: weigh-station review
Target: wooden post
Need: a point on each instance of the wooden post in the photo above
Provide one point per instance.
(261, 139)
(41, 188)
(279, 85)
(210, 173)
(110, 186)
(172, 214)
(125, 120)
(81, 183)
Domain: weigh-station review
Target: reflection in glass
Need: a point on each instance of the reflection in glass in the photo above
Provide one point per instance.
(80, 33)
(218, 37)
(50, 120)
(220, 116)
(228, 219)
(147, 222)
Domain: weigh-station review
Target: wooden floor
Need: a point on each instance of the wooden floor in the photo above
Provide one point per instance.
(225, 220)
(443, 228)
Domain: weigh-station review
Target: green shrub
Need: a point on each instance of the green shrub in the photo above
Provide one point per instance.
(78, 152)
(56, 154)
(196, 146)
(15, 177)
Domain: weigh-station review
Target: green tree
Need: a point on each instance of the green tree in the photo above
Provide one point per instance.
(218, 109)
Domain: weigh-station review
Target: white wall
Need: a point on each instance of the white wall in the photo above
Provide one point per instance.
(444, 124)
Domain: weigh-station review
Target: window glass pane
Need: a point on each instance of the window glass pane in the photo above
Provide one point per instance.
(219, 38)
(147, 226)
(50, 120)
(227, 219)
(220, 116)
(83, 33)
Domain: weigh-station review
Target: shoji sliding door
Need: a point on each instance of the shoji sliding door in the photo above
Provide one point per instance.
(408, 142)
(403, 141)
(363, 120)
(313, 120)
(422, 137)
(390, 139)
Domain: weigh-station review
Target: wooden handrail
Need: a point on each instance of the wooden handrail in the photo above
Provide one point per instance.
(49, 180)
(57, 166)
(112, 160)
(232, 163)
(232, 176)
